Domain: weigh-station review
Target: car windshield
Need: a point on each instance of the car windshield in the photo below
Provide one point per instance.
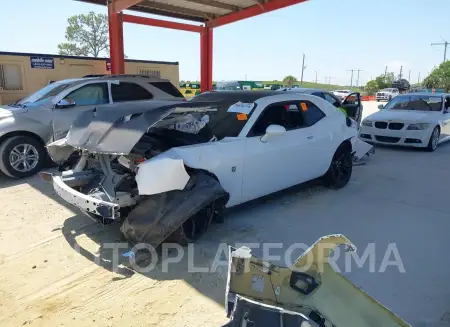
(415, 102)
(386, 90)
(43, 94)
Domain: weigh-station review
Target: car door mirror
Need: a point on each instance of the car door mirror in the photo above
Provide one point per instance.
(380, 106)
(65, 103)
(273, 130)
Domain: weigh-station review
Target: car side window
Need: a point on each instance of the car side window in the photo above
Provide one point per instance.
(335, 102)
(311, 112)
(447, 104)
(126, 91)
(319, 94)
(90, 94)
(286, 114)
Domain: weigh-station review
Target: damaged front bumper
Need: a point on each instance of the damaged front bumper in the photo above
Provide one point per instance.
(86, 203)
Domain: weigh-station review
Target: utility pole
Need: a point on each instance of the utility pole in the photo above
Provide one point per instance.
(351, 78)
(401, 70)
(357, 80)
(409, 75)
(418, 79)
(316, 75)
(385, 73)
(303, 69)
(445, 44)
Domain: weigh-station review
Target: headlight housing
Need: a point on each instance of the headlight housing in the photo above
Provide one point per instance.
(368, 123)
(418, 127)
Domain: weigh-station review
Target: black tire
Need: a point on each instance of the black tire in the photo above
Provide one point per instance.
(434, 139)
(340, 170)
(193, 228)
(17, 142)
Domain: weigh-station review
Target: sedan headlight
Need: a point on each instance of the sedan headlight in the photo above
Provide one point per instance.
(418, 127)
(368, 123)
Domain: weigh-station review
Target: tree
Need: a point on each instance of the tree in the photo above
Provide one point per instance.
(289, 80)
(380, 82)
(439, 78)
(86, 35)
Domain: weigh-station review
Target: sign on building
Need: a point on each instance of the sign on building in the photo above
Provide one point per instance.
(42, 62)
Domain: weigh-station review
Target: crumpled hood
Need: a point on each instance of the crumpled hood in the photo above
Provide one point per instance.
(6, 111)
(402, 115)
(115, 129)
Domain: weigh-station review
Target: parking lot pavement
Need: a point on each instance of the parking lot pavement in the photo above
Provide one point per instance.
(55, 268)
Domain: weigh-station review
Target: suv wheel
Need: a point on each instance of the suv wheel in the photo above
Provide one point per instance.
(21, 156)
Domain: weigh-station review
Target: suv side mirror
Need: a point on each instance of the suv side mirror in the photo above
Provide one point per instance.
(273, 130)
(381, 106)
(65, 103)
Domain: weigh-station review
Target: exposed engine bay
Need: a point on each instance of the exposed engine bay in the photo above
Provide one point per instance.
(127, 187)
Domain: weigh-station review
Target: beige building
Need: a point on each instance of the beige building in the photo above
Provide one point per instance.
(24, 73)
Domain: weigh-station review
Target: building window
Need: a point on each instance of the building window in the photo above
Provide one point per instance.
(150, 72)
(10, 77)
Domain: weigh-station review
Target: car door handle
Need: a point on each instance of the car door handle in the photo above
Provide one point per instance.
(309, 137)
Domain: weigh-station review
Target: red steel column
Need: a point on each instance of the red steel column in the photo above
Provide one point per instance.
(116, 41)
(206, 58)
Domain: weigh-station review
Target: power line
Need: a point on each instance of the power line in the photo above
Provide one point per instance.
(445, 44)
(303, 69)
(351, 79)
(357, 80)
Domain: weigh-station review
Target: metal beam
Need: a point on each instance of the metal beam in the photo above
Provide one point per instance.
(253, 11)
(173, 9)
(116, 53)
(161, 23)
(216, 4)
(206, 59)
(119, 5)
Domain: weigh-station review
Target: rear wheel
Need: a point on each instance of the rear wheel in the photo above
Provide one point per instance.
(434, 139)
(193, 228)
(340, 170)
(21, 156)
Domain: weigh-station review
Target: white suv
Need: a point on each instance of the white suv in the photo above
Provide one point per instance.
(387, 94)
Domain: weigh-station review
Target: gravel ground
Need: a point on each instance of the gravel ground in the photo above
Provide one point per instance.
(55, 269)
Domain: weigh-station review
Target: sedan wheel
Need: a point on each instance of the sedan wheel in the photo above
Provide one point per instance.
(21, 156)
(434, 139)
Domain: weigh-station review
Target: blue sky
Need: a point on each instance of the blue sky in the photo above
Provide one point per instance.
(334, 35)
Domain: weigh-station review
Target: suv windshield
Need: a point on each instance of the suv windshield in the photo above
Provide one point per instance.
(45, 93)
(415, 102)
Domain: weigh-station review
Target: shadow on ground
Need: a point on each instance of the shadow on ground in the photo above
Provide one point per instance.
(203, 264)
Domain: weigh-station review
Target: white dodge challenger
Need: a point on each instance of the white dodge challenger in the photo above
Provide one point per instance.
(413, 119)
(167, 169)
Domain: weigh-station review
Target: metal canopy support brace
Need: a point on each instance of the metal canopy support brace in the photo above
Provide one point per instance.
(116, 41)
(206, 58)
(252, 11)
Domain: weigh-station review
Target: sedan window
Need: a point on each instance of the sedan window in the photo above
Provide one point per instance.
(335, 102)
(286, 114)
(312, 113)
(318, 94)
(90, 94)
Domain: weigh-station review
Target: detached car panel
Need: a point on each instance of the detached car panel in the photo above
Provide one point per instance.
(310, 287)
